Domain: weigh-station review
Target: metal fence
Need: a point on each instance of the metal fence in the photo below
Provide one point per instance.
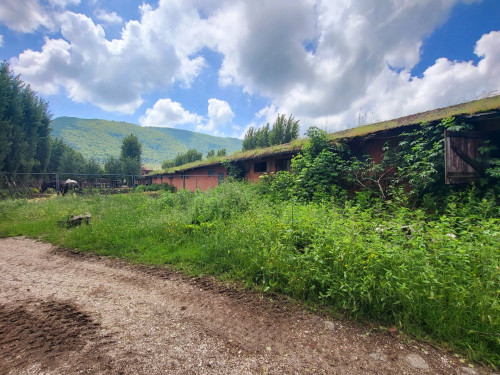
(28, 185)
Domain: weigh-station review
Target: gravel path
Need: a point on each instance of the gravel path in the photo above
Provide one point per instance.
(66, 313)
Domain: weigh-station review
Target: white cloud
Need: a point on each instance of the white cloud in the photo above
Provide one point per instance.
(24, 16)
(329, 63)
(324, 61)
(1, 40)
(107, 17)
(63, 3)
(167, 113)
(114, 74)
(219, 115)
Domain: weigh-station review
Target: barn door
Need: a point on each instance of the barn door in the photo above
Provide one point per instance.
(461, 156)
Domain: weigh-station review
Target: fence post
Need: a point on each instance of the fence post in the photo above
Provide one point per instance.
(57, 183)
(133, 182)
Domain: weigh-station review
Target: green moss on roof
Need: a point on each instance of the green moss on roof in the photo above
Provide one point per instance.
(470, 108)
(286, 148)
(476, 106)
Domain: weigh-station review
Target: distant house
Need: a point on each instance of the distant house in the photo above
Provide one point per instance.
(145, 170)
(461, 148)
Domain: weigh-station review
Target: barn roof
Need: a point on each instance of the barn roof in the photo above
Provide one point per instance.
(477, 109)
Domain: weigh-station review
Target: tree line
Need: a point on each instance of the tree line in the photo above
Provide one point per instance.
(191, 156)
(26, 145)
(284, 130)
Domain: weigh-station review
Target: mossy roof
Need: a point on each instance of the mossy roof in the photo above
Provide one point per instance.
(464, 109)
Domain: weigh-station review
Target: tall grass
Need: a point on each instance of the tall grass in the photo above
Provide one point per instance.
(435, 277)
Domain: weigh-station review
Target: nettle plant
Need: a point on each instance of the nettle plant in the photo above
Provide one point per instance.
(415, 167)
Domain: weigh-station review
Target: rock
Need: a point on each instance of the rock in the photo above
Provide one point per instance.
(416, 361)
(76, 220)
(379, 356)
(329, 325)
(469, 371)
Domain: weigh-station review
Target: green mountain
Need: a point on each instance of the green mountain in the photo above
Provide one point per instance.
(101, 139)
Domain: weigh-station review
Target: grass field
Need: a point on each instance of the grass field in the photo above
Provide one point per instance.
(436, 276)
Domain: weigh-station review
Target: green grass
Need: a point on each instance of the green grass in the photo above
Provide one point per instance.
(436, 277)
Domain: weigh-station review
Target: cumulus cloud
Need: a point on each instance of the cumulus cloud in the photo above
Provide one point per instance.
(114, 74)
(332, 62)
(107, 17)
(219, 114)
(63, 3)
(24, 16)
(167, 113)
(329, 63)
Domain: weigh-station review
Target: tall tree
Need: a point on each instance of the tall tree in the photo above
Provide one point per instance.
(130, 156)
(283, 131)
(24, 126)
(131, 148)
(112, 165)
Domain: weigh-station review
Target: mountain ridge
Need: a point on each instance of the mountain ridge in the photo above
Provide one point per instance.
(102, 138)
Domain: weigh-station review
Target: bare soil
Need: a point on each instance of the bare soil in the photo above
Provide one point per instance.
(63, 312)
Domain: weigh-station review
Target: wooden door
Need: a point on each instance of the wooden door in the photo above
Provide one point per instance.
(462, 164)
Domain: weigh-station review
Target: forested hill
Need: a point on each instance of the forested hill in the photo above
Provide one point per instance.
(101, 139)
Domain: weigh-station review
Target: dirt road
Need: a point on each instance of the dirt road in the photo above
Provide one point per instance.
(65, 313)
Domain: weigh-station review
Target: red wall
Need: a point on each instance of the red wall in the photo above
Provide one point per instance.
(271, 166)
(193, 179)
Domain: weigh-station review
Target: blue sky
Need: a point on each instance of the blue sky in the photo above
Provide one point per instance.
(220, 66)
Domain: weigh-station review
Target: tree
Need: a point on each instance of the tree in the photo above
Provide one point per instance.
(283, 131)
(249, 139)
(167, 163)
(112, 165)
(189, 156)
(210, 154)
(57, 148)
(222, 152)
(24, 126)
(131, 148)
(72, 161)
(92, 167)
(130, 156)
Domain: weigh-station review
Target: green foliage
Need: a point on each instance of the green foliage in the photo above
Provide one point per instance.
(189, 156)
(24, 126)
(130, 156)
(102, 139)
(235, 169)
(167, 164)
(433, 276)
(419, 157)
(220, 152)
(283, 131)
(416, 164)
(156, 187)
(131, 148)
(113, 165)
(71, 161)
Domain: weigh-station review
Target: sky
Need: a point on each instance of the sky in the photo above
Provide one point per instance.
(221, 66)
